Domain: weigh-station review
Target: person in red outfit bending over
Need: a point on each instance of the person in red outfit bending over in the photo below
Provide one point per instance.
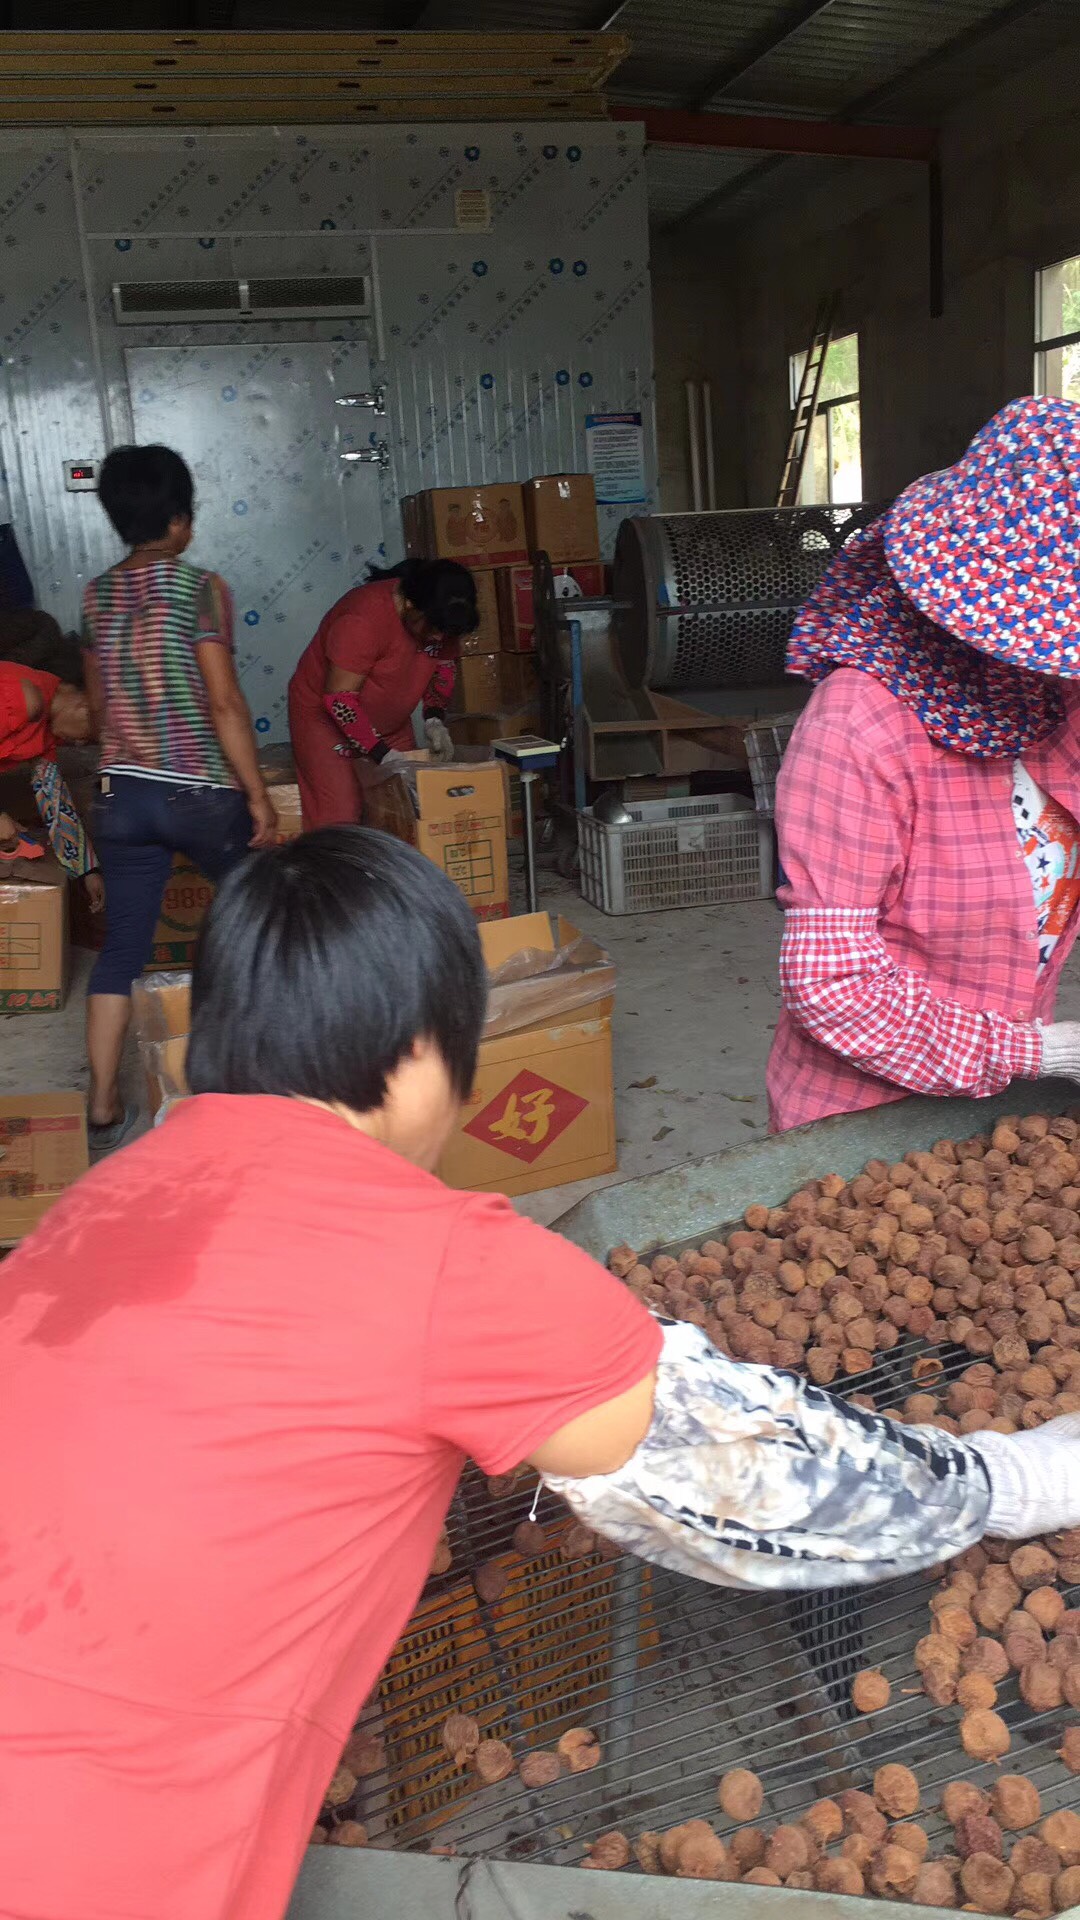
(382, 651)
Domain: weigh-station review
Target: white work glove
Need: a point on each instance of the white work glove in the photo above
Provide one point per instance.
(1034, 1477)
(1060, 1050)
(438, 738)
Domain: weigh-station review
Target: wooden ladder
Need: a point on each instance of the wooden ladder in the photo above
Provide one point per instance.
(806, 404)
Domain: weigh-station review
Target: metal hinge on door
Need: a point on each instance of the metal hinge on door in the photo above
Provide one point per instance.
(376, 400)
(376, 456)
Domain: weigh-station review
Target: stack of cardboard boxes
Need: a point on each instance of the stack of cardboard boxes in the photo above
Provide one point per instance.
(496, 532)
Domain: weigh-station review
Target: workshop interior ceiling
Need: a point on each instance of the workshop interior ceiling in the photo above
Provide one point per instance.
(884, 62)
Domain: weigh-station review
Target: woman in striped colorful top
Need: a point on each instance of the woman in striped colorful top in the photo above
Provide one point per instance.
(179, 772)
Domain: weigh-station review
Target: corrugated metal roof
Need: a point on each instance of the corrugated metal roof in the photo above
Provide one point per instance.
(679, 177)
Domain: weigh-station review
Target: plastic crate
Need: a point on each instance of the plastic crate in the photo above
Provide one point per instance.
(676, 853)
(766, 744)
(534, 1663)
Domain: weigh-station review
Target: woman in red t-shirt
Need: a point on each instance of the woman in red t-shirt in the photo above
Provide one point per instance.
(37, 711)
(382, 651)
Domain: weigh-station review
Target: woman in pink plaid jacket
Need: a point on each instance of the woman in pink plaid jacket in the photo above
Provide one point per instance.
(928, 803)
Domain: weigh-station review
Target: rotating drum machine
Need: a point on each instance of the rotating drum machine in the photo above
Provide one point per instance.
(689, 651)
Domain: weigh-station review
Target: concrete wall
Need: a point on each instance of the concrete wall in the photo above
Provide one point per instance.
(695, 333)
(1011, 161)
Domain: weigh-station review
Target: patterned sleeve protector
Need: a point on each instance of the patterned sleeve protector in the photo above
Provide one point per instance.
(749, 1477)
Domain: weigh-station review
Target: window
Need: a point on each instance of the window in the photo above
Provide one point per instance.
(1057, 330)
(833, 470)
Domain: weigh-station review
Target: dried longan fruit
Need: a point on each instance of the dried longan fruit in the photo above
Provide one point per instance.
(342, 1787)
(1032, 1855)
(669, 1844)
(1046, 1606)
(443, 1558)
(861, 1815)
(939, 1686)
(492, 1761)
(1069, 1669)
(893, 1870)
(529, 1539)
(348, 1833)
(896, 1791)
(740, 1794)
(1069, 1750)
(870, 1691)
(490, 1580)
(979, 1833)
(909, 1834)
(988, 1883)
(1015, 1803)
(621, 1259)
(962, 1797)
(956, 1624)
(364, 1753)
(1062, 1831)
(975, 1690)
(747, 1848)
(991, 1607)
(838, 1876)
(984, 1735)
(540, 1769)
(646, 1850)
(460, 1737)
(934, 1886)
(825, 1821)
(788, 1851)
(703, 1855)
(608, 1853)
(1066, 1889)
(1040, 1686)
(318, 1837)
(1033, 1895)
(762, 1877)
(580, 1749)
(860, 1849)
(986, 1656)
(577, 1543)
(1032, 1567)
(933, 1650)
(822, 1365)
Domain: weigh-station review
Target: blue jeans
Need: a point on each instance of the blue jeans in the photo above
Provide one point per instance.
(137, 827)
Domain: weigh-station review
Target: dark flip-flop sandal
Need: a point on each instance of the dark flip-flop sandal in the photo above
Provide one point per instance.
(106, 1139)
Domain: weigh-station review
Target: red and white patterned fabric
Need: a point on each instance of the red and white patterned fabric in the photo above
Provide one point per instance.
(910, 959)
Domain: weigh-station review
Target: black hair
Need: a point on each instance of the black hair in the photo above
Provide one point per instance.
(321, 962)
(442, 590)
(143, 489)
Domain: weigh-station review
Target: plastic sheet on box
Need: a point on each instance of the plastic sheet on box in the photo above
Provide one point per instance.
(547, 985)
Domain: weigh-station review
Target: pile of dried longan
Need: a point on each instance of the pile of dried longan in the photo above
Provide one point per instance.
(974, 1245)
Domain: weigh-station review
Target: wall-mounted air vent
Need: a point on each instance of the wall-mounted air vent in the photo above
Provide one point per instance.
(158, 303)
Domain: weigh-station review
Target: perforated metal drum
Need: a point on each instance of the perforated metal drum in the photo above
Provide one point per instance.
(712, 596)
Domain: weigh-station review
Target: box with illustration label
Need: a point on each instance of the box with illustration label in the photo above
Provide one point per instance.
(42, 1150)
(542, 1108)
(34, 938)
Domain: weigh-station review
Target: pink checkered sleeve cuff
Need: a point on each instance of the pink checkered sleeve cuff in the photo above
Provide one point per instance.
(840, 984)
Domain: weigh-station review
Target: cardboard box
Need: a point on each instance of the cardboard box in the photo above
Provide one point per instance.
(464, 810)
(286, 802)
(519, 682)
(560, 516)
(42, 1151)
(480, 526)
(34, 947)
(542, 1110)
(517, 619)
(476, 685)
(487, 636)
(480, 729)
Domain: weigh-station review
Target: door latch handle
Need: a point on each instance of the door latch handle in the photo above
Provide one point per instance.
(376, 456)
(376, 400)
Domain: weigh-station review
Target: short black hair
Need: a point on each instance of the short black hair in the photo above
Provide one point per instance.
(143, 489)
(321, 962)
(444, 592)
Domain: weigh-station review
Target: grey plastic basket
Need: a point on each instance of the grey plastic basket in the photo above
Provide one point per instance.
(676, 853)
(766, 744)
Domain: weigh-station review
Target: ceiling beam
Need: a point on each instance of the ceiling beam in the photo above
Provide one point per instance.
(730, 72)
(928, 63)
(779, 134)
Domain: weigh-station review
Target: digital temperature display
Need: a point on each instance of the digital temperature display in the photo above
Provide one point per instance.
(80, 476)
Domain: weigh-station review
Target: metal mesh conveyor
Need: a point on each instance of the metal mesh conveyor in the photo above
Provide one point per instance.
(681, 1681)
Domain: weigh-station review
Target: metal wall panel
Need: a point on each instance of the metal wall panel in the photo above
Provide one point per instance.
(493, 345)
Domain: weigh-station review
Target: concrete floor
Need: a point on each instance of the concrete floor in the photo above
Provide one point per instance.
(696, 1003)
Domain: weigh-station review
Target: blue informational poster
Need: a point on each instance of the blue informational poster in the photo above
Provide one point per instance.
(615, 445)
